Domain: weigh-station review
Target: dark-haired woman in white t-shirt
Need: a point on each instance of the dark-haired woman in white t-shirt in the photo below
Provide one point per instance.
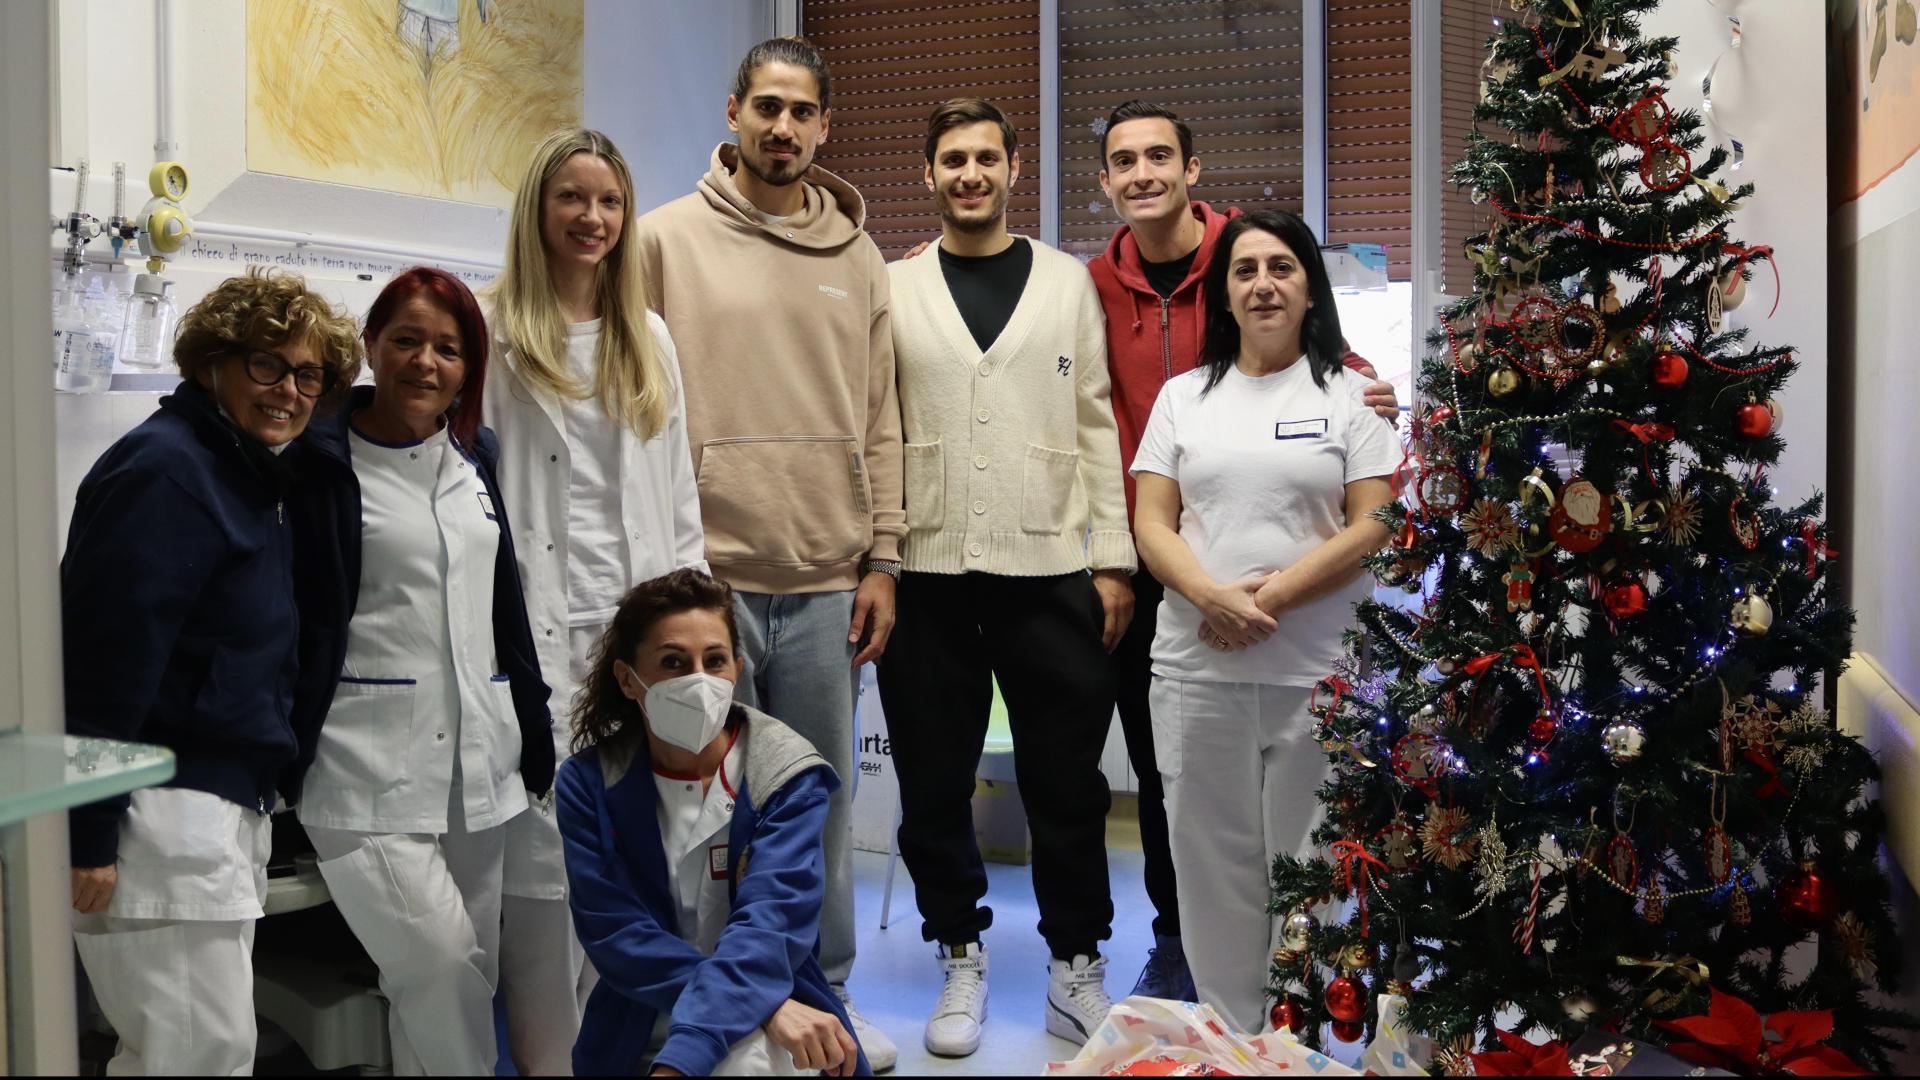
(1256, 480)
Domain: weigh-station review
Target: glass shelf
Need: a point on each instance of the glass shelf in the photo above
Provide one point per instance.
(40, 774)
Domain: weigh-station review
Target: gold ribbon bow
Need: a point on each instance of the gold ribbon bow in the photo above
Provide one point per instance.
(1691, 970)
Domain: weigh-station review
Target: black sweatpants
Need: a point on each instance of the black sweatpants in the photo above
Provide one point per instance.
(1132, 676)
(1040, 637)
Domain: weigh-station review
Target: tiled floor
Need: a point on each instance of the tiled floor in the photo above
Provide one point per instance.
(896, 979)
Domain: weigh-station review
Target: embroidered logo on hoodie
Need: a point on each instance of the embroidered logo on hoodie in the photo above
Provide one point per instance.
(837, 294)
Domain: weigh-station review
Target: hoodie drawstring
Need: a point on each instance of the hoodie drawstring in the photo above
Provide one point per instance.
(1135, 297)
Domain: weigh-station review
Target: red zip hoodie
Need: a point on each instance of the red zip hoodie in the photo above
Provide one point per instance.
(1150, 339)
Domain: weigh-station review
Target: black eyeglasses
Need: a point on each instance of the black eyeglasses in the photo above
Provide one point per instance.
(268, 369)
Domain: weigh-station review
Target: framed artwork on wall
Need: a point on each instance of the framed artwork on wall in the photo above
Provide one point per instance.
(441, 98)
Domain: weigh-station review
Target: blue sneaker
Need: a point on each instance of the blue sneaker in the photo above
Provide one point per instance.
(1166, 975)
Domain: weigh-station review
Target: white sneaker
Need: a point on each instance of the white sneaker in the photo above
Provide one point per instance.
(954, 1028)
(1077, 1001)
(881, 1053)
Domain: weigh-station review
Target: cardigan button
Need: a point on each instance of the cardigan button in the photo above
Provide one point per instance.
(980, 461)
(553, 457)
(976, 550)
(986, 368)
(979, 506)
(981, 416)
(549, 547)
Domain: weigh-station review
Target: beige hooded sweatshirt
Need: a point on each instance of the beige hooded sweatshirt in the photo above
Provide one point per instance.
(786, 351)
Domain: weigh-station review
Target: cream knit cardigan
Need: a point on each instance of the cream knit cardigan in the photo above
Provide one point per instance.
(1012, 457)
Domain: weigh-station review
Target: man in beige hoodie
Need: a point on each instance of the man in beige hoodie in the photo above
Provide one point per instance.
(777, 303)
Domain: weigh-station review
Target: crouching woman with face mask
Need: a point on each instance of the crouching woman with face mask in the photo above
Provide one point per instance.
(695, 871)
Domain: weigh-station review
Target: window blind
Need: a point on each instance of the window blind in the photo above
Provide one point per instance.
(891, 62)
(1370, 127)
(1230, 68)
(1465, 26)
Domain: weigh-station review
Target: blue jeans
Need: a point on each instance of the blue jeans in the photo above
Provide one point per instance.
(798, 668)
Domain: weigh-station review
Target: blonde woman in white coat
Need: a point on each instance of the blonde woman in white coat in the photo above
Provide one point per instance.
(598, 479)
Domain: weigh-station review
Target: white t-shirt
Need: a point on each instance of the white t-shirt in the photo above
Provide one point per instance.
(1262, 465)
(596, 542)
(693, 835)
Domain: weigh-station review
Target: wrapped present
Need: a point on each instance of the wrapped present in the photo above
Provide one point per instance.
(1603, 1053)
(1153, 1037)
(1166, 1066)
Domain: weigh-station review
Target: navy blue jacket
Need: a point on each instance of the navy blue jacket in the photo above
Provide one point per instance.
(629, 924)
(177, 609)
(326, 513)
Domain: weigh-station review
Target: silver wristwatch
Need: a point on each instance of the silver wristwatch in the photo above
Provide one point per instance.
(889, 567)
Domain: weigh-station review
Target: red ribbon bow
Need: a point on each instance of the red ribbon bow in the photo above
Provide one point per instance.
(1742, 253)
(1817, 548)
(1350, 852)
(1522, 1058)
(1335, 683)
(1647, 433)
(1521, 656)
(1773, 786)
(1733, 1036)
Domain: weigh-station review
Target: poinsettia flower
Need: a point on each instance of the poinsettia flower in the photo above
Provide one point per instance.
(1732, 1036)
(1522, 1058)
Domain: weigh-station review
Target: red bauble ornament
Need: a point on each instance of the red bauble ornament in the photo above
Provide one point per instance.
(1286, 1015)
(1805, 897)
(1345, 1000)
(1348, 1031)
(1625, 600)
(1439, 416)
(1540, 731)
(1753, 420)
(1669, 370)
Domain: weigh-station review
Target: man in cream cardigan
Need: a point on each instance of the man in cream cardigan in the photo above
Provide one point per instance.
(1013, 494)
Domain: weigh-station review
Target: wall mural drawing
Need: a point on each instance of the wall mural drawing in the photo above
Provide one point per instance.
(1875, 118)
(442, 98)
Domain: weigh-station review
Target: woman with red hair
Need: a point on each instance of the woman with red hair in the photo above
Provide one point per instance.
(418, 669)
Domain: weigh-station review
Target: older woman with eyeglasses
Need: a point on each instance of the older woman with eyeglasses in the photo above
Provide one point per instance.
(177, 604)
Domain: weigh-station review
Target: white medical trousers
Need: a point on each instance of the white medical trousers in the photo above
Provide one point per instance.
(1242, 775)
(544, 974)
(427, 909)
(171, 959)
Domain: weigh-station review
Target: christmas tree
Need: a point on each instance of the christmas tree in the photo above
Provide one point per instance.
(1587, 780)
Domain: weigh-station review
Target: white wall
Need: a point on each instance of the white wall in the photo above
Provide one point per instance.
(667, 107)
(1782, 121)
(1876, 253)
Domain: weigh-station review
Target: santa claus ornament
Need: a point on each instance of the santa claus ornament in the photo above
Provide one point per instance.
(1581, 519)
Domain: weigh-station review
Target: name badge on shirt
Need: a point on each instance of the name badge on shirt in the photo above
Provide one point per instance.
(1300, 429)
(486, 506)
(717, 862)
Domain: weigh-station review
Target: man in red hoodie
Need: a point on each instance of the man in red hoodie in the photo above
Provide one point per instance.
(1150, 281)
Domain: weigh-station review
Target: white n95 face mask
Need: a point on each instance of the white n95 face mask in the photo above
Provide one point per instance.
(689, 711)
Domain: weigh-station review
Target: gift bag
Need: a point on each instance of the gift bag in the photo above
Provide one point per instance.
(1396, 1050)
(1151, 1037)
